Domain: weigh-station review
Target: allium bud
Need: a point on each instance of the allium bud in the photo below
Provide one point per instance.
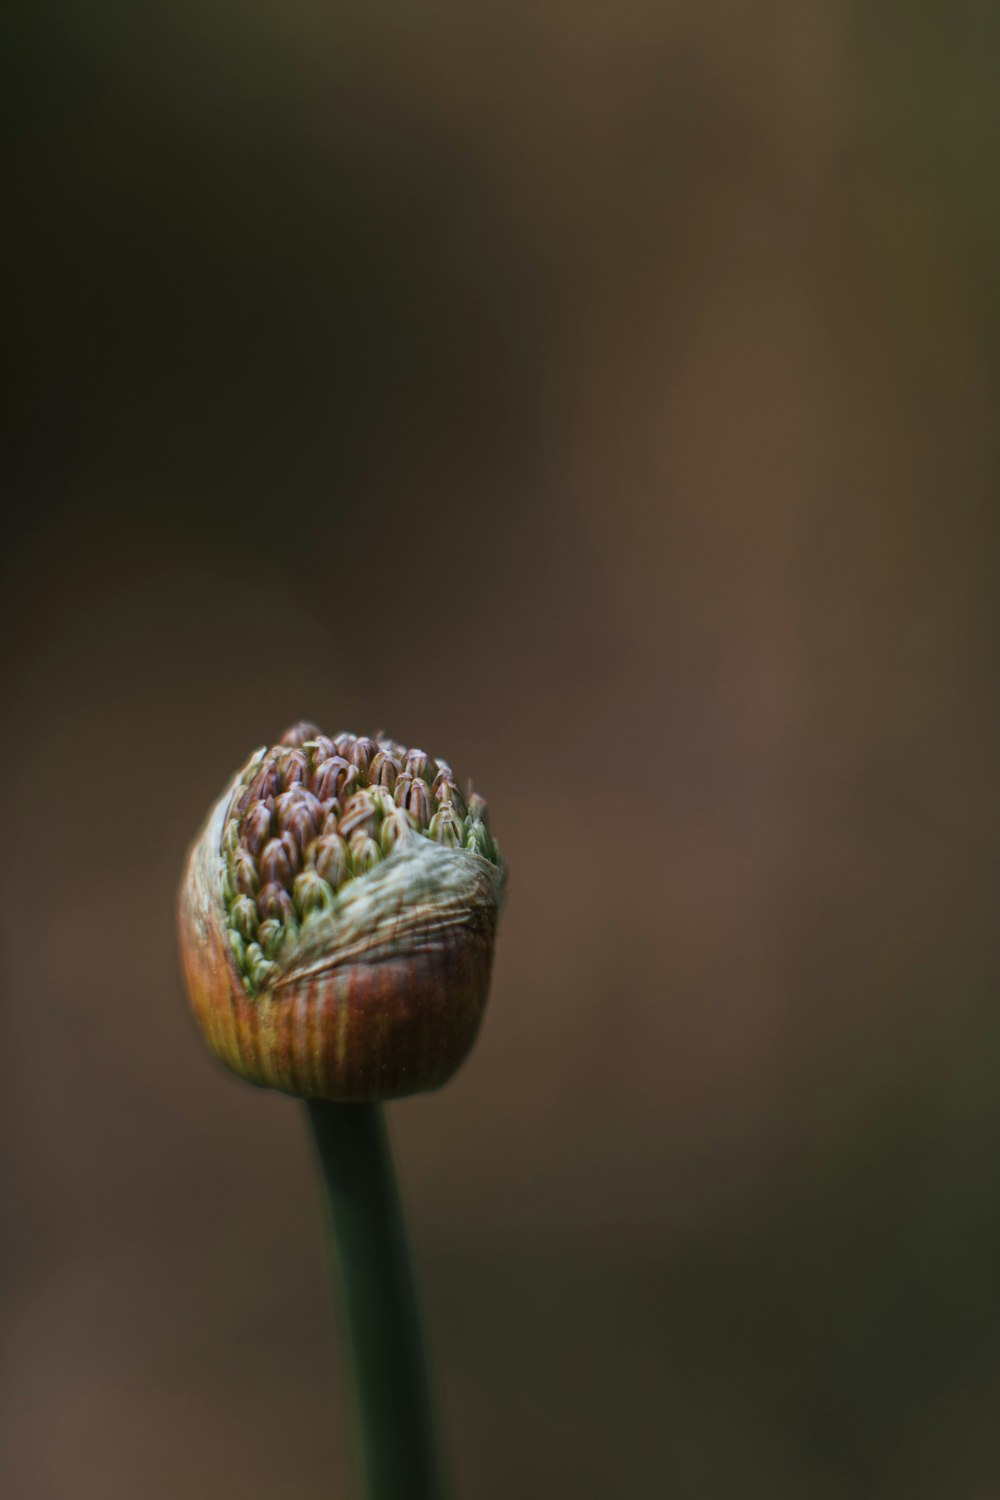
(337, 939)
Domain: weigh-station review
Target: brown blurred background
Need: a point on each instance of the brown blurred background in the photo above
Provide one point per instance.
(603, 397)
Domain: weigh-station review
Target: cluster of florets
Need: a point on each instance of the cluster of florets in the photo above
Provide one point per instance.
(314, 813)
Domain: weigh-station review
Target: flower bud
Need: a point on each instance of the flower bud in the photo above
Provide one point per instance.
(329, 857)
(243, 873)
(478, 809)
(382, 800)
(476, 837)
(297, 797)
(311, 893)
(293, 767)
(275, 863)
(321, 749)
(257, 827)
(402, 788)
(361, 754)
(243, 917)
(302, 828)
(448, 794)
(275, 902)
(418, 802)
(392, 747)
(446, 828)
(394, 827)
(417, 763)
(361, 814)
(365, 853)
(331, 822)
(299, 734)
(266, 783)
(384, 769)
(271, 935)
(337, 941)
(329, 776)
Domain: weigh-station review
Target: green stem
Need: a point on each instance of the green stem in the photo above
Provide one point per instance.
(393, 1400)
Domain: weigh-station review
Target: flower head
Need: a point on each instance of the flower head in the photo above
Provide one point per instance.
(337, 918)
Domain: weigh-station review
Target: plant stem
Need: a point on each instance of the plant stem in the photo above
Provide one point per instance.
(399, 1457)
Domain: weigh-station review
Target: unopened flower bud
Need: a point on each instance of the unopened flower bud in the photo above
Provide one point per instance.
(477, 838)
(402, 788)
(266, 783)
(382, 800)
(418, 802)
(384, 769)
(329, 857)
(311, 893)
(361, 754)
(393, 747)
(337, 939)
(259, 968)
(293, 767)
(303, 828)
(365, 853)
(257, 827)
(243, 873)
(448, 794)
(291, 846)
(418, 763)
(299, 734)
(243, 917)
(361, 814)
(275, 902)
(275, 863)
(295, 798)
(478, 809)
(321, 749)
(446, 828)
(394, 827)
(334, 813)
(329, 776)
(271, 935)
(237, 950)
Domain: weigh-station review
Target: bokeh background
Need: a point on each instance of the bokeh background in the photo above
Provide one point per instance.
(605, 398)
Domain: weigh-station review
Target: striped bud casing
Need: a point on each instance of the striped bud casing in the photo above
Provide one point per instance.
(336, 928)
